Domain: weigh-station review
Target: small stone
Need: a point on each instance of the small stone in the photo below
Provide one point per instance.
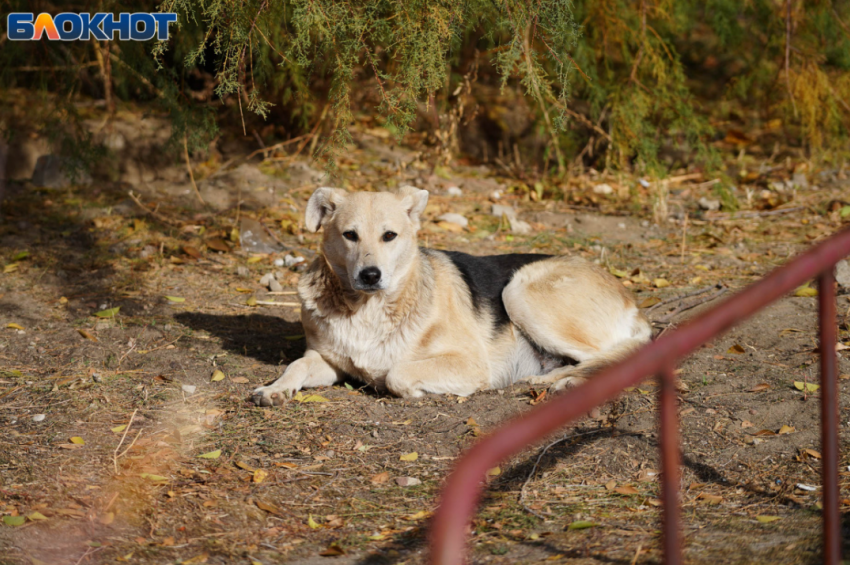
(454, 191)
(799, 180)
(278, 262)
(842, 273)
(603, 189)
(500, 210)
(496, 195)
(38, 418)
(519, 227)
(97, 378)
(621, 225)
(644, 224)
(644, 183)
(454, 219)
(102, 325)
(275, 286)
(267, 278)
(291, 260)
(188, 389)
(407, 481)
(710, 205)
(243, 271)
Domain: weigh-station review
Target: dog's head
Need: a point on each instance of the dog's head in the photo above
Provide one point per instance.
(369, 237)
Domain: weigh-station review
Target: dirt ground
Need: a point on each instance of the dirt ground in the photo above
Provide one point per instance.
(129, 436)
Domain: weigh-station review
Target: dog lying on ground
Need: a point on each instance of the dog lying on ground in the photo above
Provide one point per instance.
(411, 320)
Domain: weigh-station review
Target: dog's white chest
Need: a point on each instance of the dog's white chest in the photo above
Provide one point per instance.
(366, 344)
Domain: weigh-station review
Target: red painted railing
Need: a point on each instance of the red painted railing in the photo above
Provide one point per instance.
(463, 488)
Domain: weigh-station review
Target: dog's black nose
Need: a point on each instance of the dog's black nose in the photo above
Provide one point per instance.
(370, 275)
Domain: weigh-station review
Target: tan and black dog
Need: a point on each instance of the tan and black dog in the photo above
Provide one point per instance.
(410, 320)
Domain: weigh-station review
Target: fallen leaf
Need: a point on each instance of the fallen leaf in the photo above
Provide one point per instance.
(240, 380)
(36, 515)
(243, 465)
(610, 484)
(618, 273)
(86, 334)
(301, 397)
(767, 519)
(747, 424)
(108, 313)
(155, 478)
(211, 455)
(786, 430)
(765, 433)
(218, 244)
(177, 299)
(580, 525)
(626, 490)
(809, 387)
(107, 518)
(494, 472)
(312, 523)
(240, 289)
(471, 422)
(806, 291)
(661, 283)
(78, 440)
(650, 301)
(119, 429)
(761, 387)
(333, 550)
(217, 376)
(380, 478)
(736, 349)
(407, 481)
(710, 498)
(270, 508)
(255, 259)
(14, 326)
(412, 456)
(260, 476)
(421, 515)
(191, 252)
(14, 520)
(812, 453)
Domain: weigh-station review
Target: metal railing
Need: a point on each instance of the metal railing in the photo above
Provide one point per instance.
(463, 488)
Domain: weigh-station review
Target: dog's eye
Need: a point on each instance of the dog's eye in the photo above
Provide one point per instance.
(350, 235)
(389, 236)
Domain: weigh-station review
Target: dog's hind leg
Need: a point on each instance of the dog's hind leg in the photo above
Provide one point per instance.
(571, 308)
(308, 372)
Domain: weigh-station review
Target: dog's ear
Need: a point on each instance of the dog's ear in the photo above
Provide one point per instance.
(414, 201)
(321, 206)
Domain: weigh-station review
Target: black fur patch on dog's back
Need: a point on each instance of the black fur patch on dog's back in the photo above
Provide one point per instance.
(488, 276)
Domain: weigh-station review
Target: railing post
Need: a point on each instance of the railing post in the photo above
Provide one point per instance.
(669, 443)
(829, 418)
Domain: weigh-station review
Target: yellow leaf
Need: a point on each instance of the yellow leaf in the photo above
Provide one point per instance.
(217, 376)
(661, 283)
(156, 478)
(260, 475)
(109, 313)
(313, 398)
(255, 259)
(805, 291)
(175, 299)
(618, 273)
(14, 326)
(211, 455)
(494, 472)
(650, 301)
(251, 302)
(422, 514)
(78, 440)
(786, 430)
(10, 268)
(119, 429)
(736, 349)
(36, 516)
(767, 519)
(413, 456)
(240, 289)
(312, 523)
(86, 334)
(809, 387)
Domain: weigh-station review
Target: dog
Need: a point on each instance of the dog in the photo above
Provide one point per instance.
(411, 320)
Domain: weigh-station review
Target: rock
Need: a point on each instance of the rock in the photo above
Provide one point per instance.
(52, 171)
(780, 185)
(278, 262)
(188, 389)
(644, 183)
(115, 141)
(496, 195)
(454, 219)
(842, 273)
(710, 205)
(519, 227)
(603, 189)
(254, 238)
(291, 260)
(243, 271)
(500, 210)
(275, 286)
(407, 481)
(454, 191)
(38, 418)
(799, 180)
(621, 225)
(267, 278)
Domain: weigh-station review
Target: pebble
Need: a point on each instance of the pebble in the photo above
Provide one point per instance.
(291, 260)
(603, 189)
(243, 271)
(267, 278)
(407, 481)
(519, 227)
(710, 205)
(496, 195)
(454, 219)
(621, 225)
(38, 417)
(454, 191)
(278, 262)
(644, 183)
(644, 224)
(189, 389)
(500, 210)
(842, 273)
(275, 286)
(97, 378)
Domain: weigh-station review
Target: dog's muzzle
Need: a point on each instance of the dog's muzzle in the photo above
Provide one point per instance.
(369, 279)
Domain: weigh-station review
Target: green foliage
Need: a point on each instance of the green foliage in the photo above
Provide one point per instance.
(628, 75)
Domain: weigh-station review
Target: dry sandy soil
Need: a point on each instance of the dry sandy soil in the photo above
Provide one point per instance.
(103, 442)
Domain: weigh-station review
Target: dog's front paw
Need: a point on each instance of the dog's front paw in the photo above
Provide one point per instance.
(271, 395)
(566, 383)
